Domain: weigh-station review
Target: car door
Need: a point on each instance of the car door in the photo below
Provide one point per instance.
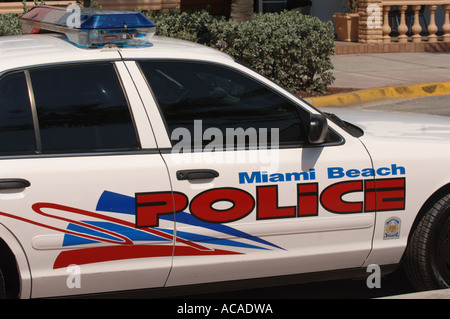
(76, 145)
(251, 191)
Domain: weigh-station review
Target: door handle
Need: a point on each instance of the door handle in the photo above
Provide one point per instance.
(12, 183)
(189, 174)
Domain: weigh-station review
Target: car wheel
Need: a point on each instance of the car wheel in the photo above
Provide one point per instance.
(2, 286)
(427, 257)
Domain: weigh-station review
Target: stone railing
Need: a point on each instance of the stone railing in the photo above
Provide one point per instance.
(17, 7)
(398, 12)
(416, 8)
(154, 5)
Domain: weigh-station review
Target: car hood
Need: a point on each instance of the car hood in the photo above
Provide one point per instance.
(396, 124)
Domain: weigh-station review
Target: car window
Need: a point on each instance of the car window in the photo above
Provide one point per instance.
(82, 108)
(16, 121)
(203, 96)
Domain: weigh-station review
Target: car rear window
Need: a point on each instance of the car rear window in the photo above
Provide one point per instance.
(65, 109)
(82, 108)
(16, 121)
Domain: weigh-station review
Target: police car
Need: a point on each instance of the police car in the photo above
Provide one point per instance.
(132, 162)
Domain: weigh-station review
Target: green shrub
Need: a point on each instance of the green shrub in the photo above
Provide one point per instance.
(289, 48)
(193, 27)
(10, 24)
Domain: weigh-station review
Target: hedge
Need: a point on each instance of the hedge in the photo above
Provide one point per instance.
(289, 48)
(10, 24)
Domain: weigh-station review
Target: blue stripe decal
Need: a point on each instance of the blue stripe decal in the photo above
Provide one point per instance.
(132, 233)
(211, 240)
(118, 203)
(186, 218)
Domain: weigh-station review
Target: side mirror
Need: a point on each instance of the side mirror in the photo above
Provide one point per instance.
(318, 129)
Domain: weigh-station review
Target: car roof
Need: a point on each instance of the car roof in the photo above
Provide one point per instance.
(41, 49)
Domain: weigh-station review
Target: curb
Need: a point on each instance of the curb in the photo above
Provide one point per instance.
(368, 96)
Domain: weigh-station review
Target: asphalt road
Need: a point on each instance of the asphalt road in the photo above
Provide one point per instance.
(391, 285)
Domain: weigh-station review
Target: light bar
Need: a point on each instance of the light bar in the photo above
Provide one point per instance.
(90, 28)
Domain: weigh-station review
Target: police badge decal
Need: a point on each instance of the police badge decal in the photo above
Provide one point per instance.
(392, 228)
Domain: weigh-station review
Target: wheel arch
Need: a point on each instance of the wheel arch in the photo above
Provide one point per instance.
(444, 190)
(14, 264)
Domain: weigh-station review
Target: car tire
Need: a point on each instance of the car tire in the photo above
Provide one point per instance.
(2, 286)
(427, 257)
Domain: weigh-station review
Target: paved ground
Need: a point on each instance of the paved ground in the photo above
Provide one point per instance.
(362, 71)
(387, 76)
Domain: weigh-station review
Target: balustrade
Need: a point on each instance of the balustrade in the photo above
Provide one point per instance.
(415, 9)
(156, 5)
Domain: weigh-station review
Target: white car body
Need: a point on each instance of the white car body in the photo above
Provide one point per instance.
(411, 157)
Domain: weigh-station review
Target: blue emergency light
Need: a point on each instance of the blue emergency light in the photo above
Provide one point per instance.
(90, 28)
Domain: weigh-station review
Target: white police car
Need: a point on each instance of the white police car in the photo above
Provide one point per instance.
(128, 165)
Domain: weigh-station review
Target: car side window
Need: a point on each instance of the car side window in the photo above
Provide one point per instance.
(82, 108)
(16, 121)
(192, 94)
